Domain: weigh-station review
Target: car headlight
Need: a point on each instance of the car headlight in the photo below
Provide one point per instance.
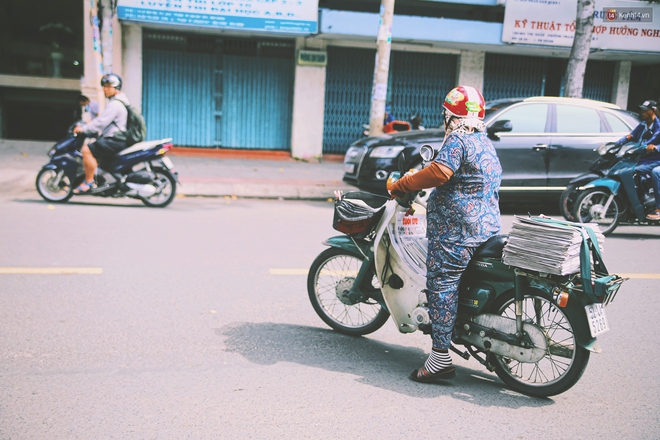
(352, 153)
(386, 152)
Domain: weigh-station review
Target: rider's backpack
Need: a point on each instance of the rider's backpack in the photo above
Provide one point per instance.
(136, 129)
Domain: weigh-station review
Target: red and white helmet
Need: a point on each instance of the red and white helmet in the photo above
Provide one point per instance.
(465, 102)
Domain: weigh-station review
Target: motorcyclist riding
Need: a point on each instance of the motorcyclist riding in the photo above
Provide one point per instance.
(648, 133)
(110, 124)
(462, 213)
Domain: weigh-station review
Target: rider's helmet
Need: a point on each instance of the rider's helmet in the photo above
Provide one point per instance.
(112, 80)
(649, 105)
(465, 102)
(464, 110)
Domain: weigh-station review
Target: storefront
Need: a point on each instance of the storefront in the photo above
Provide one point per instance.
(207, 91)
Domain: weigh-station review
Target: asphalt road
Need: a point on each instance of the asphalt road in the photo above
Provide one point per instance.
(179, 327)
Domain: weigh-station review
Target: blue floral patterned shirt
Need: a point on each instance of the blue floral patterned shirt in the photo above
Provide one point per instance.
(465, 210)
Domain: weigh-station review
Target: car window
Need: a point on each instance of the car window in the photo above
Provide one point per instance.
(616, 124)
(576, 119)
(526, 118)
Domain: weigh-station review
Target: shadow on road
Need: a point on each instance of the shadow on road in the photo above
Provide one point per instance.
(378, 364)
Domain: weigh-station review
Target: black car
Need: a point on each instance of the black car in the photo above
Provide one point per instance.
(542, 144)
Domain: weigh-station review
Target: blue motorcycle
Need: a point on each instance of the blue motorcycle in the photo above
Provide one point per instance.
(620, 196)
(141, 171)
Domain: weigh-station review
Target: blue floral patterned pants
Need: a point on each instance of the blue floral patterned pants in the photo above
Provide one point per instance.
(445, 266)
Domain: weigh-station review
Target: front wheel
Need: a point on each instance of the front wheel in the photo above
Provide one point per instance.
(565, 360)
(54, 186)
(592, 207)
(330, 278)
(567, 202)
(165, 190)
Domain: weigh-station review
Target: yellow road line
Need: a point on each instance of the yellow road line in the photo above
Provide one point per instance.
(51, 270)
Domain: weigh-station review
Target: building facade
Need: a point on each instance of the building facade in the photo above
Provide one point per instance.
(297, 75)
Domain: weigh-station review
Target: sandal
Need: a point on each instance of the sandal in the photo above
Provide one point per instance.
(423, 376)
(653, 216)
(85, 187)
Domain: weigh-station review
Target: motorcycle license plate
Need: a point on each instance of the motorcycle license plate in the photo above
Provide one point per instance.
(597, 319)
(167, 162)
(349, 167)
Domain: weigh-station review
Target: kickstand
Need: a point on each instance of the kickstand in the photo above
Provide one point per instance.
(465, 355)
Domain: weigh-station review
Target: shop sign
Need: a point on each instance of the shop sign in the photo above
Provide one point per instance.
(632, 26)
(298, 17)
(312, 58)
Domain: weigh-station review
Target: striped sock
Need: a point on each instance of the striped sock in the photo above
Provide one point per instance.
(437, 361)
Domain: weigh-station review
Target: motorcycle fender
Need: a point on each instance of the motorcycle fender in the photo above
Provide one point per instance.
(574, 311)
(345, 242)
(584, 179)
(610, 184)
(69, 165)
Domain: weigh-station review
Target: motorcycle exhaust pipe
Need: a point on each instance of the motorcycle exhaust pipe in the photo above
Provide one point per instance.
(140, 190)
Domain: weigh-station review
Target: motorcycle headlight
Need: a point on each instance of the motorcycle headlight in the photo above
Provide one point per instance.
(385, 152)
(604, 148)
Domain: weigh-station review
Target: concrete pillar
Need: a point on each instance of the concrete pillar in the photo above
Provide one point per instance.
(132, 63)
(89, 83)
(621, 83)
(117, 49)
(308, 111)
(470, 69)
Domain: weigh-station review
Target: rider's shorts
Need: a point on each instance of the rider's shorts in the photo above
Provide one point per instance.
(106, 148)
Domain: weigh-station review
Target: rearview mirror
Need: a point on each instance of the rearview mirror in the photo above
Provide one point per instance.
(427, 153)
(500, 126)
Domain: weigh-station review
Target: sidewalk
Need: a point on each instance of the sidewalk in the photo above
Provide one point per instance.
(203, 172)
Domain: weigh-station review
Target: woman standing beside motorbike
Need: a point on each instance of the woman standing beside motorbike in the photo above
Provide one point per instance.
(462, 213)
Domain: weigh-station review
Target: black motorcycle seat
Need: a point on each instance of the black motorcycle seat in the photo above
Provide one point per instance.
(492, 248)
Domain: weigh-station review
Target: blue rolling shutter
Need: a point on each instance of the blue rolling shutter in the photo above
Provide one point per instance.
(511, 76)
(420, 82)
(257, 102)
(178, 97)
(417, 82)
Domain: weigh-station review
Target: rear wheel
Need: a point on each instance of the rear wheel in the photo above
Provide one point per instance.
(54, 186)
(165, 190)
(590, 208)
(330, 278)
(565, 360)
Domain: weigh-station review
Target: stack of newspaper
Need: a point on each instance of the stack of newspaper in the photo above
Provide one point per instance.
(547, 245)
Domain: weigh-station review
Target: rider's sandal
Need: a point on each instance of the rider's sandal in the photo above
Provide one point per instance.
(653, 216)
(85, 187)
(423, 376)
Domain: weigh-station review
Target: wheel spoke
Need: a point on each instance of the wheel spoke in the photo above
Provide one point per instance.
(560, 355)
(333, 278)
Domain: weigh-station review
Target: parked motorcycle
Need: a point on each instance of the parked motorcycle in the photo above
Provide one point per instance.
(608, 156)
(514, 322)
(141, 171)
(621, 195)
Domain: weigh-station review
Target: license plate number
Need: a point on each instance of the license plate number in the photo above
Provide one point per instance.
(597, 319)
(349, 167)
(167, 162)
